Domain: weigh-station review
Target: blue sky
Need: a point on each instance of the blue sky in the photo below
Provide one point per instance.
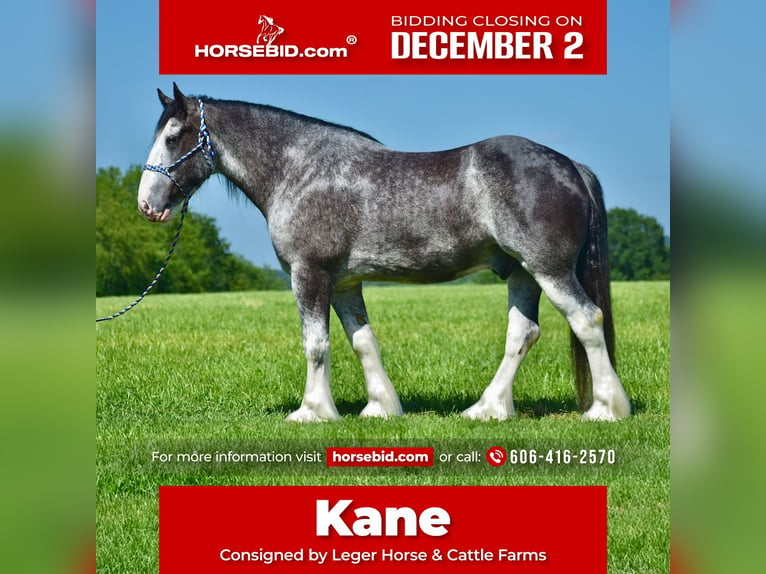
(618, 124)
(718, 89)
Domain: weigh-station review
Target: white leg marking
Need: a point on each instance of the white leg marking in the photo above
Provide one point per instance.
(497, 400)
(317, 404)
(610, 402)
(382, 398)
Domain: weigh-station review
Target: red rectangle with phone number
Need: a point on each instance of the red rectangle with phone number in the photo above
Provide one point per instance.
(394, 37)
(445, 529)
(379, 456)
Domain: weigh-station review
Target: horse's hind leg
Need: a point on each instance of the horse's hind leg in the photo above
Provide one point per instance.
(313, 288)
(382, 398)
(586, 320)
(523, 331)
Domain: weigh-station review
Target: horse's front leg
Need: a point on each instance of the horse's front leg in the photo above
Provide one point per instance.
(313, 288)
(382, 398)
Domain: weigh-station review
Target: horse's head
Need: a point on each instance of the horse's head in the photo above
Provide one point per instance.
(180, 160)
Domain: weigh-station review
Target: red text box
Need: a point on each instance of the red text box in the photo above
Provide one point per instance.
(395, 37)
(413, 529)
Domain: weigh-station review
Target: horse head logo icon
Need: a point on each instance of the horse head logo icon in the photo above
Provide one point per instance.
(269, 30)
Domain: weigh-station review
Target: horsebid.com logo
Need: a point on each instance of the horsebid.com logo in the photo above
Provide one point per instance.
(265, 47)
(269, 30)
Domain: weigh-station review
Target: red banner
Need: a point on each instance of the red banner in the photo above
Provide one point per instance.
(412, 529)
(395, 37)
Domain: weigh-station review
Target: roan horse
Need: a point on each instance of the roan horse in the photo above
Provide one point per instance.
(342, 208)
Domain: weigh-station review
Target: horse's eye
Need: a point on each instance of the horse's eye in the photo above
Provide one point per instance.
(170, 140)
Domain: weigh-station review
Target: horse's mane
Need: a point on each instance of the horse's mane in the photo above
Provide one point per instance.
(289, 114)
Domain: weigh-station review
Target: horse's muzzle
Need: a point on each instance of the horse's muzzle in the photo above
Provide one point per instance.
(152, 215)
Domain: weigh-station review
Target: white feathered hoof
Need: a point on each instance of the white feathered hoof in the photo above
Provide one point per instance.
(600, 411)
(381, 410)
(307, 415)
(489, 410)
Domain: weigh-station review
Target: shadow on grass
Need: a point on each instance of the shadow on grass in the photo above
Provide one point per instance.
(543, 407)
(444, 406)
(454, 404)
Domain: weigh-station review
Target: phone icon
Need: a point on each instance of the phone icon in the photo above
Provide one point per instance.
(496, 456)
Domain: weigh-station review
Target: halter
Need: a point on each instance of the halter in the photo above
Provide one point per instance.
(203, 145)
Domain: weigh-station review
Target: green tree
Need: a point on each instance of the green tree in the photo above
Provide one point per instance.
(637, 247)
(129, 250)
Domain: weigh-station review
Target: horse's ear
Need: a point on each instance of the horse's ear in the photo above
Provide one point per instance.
(181, 103)
(164, 100)
(178, 96)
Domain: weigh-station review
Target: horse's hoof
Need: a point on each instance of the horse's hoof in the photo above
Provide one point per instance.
(600, 412)
(306, 415)
(617, 408)
(376, 409)
(483, 412)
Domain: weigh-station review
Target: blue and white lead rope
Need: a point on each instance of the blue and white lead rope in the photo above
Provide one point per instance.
(203, 142)
(184, 209)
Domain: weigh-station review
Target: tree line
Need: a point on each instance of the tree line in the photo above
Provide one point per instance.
(638, 247)
(129, 250)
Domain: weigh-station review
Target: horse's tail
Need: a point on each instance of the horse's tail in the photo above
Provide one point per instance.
(593, 273)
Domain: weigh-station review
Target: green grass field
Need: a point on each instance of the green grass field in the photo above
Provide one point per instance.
(185, 373)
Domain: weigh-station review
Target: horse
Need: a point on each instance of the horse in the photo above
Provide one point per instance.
(269, 30)
(342, 208)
